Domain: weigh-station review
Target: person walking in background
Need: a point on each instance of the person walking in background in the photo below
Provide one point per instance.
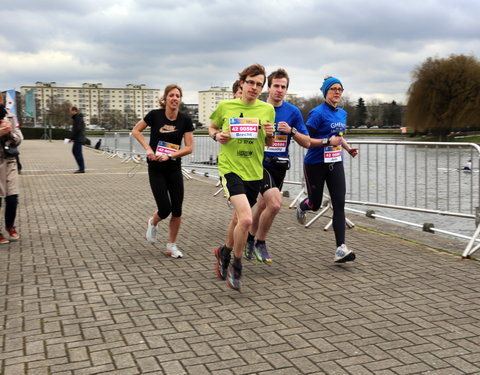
(242, 127)
(324, 162)
(78, 138)
(168, 127)
(288, 125)
(10, 139)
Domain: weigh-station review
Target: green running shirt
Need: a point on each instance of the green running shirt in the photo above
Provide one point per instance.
(242, 156)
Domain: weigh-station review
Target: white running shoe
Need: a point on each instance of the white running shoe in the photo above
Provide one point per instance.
(151, 231)
(173, 251)
(343, 254)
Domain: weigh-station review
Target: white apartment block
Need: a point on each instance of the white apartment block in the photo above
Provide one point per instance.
(208, 100)
(92, 99)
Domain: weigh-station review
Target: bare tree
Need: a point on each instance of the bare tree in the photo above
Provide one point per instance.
(347, 104)
(374, 110)
(113, 119)
(306, 105)
(58, 113)
(392, 114)
(444, 95)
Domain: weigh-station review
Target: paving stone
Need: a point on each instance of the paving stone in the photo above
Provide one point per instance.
(83, 293)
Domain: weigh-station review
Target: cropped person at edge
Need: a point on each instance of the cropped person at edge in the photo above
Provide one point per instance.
(10, 136)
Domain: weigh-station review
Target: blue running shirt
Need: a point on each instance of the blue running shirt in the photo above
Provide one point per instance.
(293, 117)
(327, 122)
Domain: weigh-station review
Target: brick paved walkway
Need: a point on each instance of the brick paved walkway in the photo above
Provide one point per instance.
(82, 292)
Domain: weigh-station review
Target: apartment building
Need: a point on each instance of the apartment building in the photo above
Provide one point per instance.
(208, 100)
(193, 113)
(93, 99)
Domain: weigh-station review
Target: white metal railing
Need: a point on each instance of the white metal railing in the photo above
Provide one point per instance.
(424, 177)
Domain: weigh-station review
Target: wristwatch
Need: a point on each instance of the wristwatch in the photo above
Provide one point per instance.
(293, 131)
(214, 136)
(170, 156)
(325, 141)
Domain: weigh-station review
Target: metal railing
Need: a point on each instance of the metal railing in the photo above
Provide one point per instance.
(421, 177)
(426, 177)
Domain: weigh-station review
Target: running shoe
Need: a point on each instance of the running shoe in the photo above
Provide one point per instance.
(173, 251)
(233, 277)
(223, 260)
(343, 254)
(261, 253)
(249, 249)
(3, 240)
(151, 231)
(301, 216)
(12, 231)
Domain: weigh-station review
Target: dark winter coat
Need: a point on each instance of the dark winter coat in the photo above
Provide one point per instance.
(78, 128)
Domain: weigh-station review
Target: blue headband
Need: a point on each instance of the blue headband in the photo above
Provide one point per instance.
(328, 83)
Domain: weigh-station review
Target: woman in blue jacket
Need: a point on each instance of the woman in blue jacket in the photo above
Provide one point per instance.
(323, 162)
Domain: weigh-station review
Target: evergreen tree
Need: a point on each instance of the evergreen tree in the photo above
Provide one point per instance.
(360, 113)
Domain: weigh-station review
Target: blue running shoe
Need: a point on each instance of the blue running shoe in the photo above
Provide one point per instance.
(233, 277)
(261, 253)
(223, 260)
(249, 249)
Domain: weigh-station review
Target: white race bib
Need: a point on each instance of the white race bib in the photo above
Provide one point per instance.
(165, 148)
(332, 154)
(279, 144)
(241, 127)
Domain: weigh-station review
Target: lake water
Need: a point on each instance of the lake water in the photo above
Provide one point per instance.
(400, 175)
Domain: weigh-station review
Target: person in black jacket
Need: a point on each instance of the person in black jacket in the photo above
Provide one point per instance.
(78, 138)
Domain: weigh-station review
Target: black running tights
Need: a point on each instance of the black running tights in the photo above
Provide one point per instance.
(167, 189)
(333, 174)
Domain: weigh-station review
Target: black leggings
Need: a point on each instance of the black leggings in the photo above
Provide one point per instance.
(11, 203)
(316, 175)
(167, 189)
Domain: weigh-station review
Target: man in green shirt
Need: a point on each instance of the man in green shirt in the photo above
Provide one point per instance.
(242, 127)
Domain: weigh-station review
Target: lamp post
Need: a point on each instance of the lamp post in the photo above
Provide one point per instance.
(46, 134)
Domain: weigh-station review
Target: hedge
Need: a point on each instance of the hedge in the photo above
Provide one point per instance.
(37, 133)
(55, 133)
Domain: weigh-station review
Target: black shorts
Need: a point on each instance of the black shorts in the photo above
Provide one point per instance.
(234, 185)
(272, 177)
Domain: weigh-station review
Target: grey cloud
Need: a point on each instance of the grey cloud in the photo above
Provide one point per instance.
(206, 42)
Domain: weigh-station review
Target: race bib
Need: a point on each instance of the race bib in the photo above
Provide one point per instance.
(241, 127)
(332, 154)
(165, 148)
(279, 144)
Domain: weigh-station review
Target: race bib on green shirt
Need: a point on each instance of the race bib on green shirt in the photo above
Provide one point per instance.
(241, 127)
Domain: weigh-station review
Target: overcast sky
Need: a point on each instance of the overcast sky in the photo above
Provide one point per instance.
(372, 46)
